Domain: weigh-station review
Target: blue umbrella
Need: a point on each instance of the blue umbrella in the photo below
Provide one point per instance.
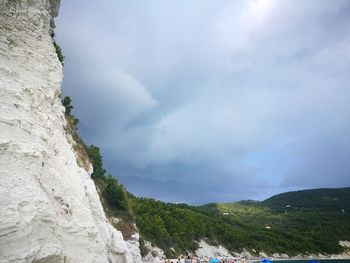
(214, 260)
(265, 260)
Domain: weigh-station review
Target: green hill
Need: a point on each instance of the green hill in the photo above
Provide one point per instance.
(327, 199)
(302, 222)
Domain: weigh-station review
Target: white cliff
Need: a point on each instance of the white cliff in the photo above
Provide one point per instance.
(49, 208)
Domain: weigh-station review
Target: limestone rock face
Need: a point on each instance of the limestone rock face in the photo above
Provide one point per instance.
(155, 254)
(49, 208)
(206, 250)
(134, 247)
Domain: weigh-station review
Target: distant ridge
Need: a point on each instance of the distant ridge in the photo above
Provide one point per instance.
(331, 199)
(295, 223)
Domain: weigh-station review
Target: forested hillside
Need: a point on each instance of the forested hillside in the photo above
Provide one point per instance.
(252, 225)
(317, 199)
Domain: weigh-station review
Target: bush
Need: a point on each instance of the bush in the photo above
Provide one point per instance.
(67, 103)
(96, 161)
(116, 195)
(58, 52)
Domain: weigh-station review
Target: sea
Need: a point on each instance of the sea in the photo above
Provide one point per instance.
(319, 260)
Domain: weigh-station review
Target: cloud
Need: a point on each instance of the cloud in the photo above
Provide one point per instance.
(236, 99)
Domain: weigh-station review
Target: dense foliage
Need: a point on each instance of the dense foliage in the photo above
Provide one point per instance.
(290, 231)
(247, 224)
(116, 194)
(317, 199)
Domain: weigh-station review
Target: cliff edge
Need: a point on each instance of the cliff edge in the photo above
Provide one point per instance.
(49, 208)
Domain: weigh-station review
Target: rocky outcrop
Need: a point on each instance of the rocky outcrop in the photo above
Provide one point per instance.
(134, 247)
(154, 255)
(49, 208)
(206, 250)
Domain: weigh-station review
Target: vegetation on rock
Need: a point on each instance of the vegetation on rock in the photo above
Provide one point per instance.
(59, 52)
(57, 49)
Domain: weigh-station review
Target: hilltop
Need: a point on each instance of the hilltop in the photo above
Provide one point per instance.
(326, 199)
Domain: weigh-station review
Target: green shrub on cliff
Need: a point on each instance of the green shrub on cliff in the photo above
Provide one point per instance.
(113, 192)
(96, 161)
(58, 52)
(67, 103)
(116, 195)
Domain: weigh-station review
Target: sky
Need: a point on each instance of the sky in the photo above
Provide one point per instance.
(202, 101)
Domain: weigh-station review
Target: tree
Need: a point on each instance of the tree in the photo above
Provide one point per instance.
(96, 160)
(116, 195)
(67, 103)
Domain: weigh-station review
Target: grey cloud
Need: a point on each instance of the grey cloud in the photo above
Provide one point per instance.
(228, 97)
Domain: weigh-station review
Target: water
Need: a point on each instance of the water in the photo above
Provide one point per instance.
(321, 261)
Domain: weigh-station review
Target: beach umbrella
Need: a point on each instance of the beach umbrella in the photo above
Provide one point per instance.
(265, 260)
(214, 260)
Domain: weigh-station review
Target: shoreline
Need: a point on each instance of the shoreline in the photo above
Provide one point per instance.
(305, 259)
(257, 260)
(254, 260)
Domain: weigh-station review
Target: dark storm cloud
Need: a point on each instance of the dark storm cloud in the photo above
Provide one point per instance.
(197, 101)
